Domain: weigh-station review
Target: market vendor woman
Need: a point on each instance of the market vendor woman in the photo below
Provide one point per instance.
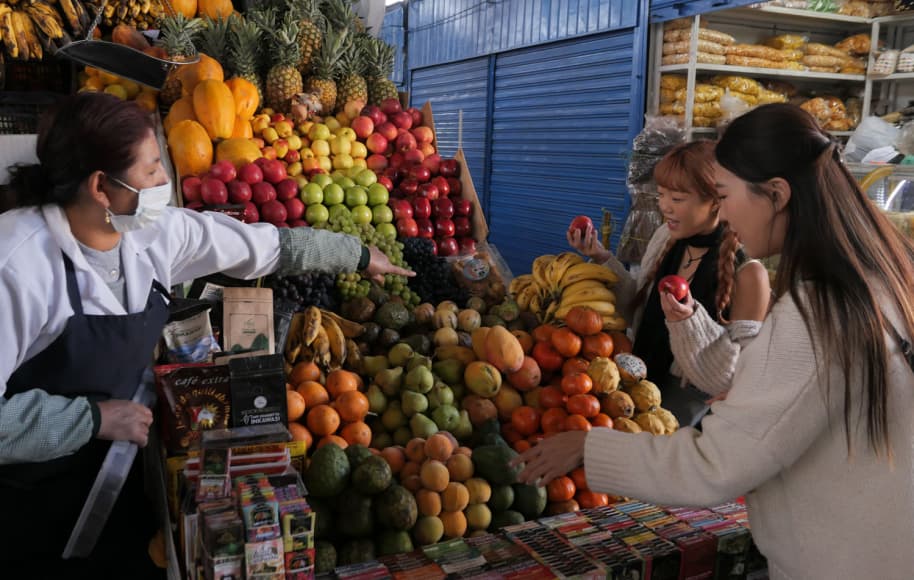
(85, 261)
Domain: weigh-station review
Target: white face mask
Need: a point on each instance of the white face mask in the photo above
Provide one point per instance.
(151, 202)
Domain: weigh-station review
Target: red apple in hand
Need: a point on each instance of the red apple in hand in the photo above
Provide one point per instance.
(580, 223)
(675, 285)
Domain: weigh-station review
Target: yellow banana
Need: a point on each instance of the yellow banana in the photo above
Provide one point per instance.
(549, 315)
(602, 307)
(536, 304)
(8, 33)
(312, 323)
(46, 19)
(602, 294)
(614, 323)
(31, 36)
(519, 283)
(350, 329)
(588, 271)
(321, 349)
(582, 285)
(353, 356)
(523, 297)
(22, 35)
(71, 15)
(540, 270)
(560, 265)
(337, 342)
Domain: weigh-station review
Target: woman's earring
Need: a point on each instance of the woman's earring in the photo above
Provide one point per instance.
(107, 218)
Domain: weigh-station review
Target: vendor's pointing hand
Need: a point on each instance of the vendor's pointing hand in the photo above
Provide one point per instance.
(379, 264)
(552, 457)
(674, 310)
(124, 421)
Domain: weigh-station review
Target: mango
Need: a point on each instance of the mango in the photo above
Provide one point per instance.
(482, 379)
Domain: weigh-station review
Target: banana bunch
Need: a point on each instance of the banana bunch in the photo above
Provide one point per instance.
(557, 284)
(31, 28)
(324, 337)
(141, 14)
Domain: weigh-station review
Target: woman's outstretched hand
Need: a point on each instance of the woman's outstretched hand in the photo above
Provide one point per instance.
(551, 458)
(379, 264)
(587, 243)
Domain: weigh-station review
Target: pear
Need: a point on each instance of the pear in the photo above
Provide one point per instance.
(377, 402)
(390, 381)
(447, 417)
(450, 371)
(459, 390)
(403, 435)
(464, 428)
(420, 379)
(440, 395)
(422, 426)
(400, 354)
(393, 417)
(372, 365)
(381, 440)
(419, 360)
(413, 403)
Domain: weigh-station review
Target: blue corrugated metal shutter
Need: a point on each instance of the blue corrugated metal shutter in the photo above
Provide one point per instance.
(451, 88)
(393, 32)
(663, 10)
(562, 127)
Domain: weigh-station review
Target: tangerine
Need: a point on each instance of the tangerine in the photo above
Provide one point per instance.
(439, 447)
(590, 499)
(314, 393)
(561, 489)
(522, 445)
(586, 405)
(543, 332)
(577, 423)
(333, 439)
(553, 420)
(460, 467)
(323, 420)
(602, 420)
(621, 342)
(577, 384)
(552, 397)
(600, 344)
(525, 420)
(305, 371)
(395, 458)
(352, 406)
(357, 433)
(300, 433)
(579, 477)
(340, 381)
(295, 405)
(565, 342)
(575, 365)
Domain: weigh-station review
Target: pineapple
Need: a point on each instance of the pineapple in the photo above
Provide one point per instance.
(352, 85)
(244, 51)
(283, 79)
(176, 38)
(310, 37)
(213, 40)
(379, 58)
(326, 67)
(340, 16)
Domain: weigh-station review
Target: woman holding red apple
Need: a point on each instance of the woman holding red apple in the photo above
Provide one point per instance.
(816, 430)
(703, 273)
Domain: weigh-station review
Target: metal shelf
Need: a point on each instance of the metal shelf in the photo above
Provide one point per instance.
(762, 72)
(766, 12)
(893, 77)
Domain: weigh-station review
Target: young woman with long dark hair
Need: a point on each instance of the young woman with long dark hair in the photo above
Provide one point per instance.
(817, 428)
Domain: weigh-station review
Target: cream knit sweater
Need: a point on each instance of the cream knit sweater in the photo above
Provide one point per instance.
(704, 352)
(779, 437)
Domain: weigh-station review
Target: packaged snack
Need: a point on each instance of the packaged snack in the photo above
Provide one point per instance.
(702, 57)
(755, 62)
(699, 121)
(852, 70)
(189, 334)
(782, 87)
(703, 93)
(736, 83)
(886, 62)
(794, 65)
(672, 82)
(679, 24)
(855, 8)
(793, 55)
(756, 51)
(906, 60)
(822, 61)
(766, 97)
(248, 321)
(484, 273)
(787, 42)
(858, 45)
(258, 390)
(192, 399)
(823, 69)
(818, 49)
(683, 46)
(838, 125)
(668, 95)
(751, 100)
(703, 34)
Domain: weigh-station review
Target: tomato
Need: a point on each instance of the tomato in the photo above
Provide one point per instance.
(525, 420)
(522, 446)
(600, 344)
(566, 342)
(552, 397)
(577, 423)
(510, 434)
(553, 420)
(590, 499)
(547, 357)
(560, 489)
(586, 405)
(577, 384)
(576, 364)
(621, 343)
(602, 420)
(580, 479)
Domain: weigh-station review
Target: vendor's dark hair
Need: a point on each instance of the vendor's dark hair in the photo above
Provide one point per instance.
(838, 240)
(80, 134)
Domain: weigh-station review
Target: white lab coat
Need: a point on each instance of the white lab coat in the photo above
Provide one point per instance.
(34, 307)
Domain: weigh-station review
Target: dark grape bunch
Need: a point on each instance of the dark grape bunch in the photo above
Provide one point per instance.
(309, 289)
(434, 281)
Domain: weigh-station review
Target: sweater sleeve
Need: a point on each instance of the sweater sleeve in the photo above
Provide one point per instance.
(706, 351)
(37, 426)
(772, 415)
(627, 287)
(303, 249)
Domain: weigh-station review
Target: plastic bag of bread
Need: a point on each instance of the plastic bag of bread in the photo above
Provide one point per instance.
(823, 69)
(793, 65)
(702, 57)
(756, 51)
(878, 9)
(886, 62)
(751, 100)
(668, 95)
(818, 49)
(703, 93)
(679, 24)
(787, 42)
(766, 97)
(838, 125)
(705, 121)
(855, 8)
(822, 61)
(685, 34)
(858, 44)
(710, 110)
(736, 83)
(906, 60)
(781, 87)
(682, 47)
(794, 54)
(851, 70)
(672, 82)
(755, 62)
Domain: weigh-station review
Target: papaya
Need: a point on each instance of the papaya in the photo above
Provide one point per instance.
(504, 350)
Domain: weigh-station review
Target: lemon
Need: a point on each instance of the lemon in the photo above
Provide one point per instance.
(117, 90)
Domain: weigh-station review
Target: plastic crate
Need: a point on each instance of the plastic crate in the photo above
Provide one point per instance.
(20, 112)
(51, 75)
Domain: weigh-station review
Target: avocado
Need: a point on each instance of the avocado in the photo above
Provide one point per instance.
(328, 472)
(393, 315)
